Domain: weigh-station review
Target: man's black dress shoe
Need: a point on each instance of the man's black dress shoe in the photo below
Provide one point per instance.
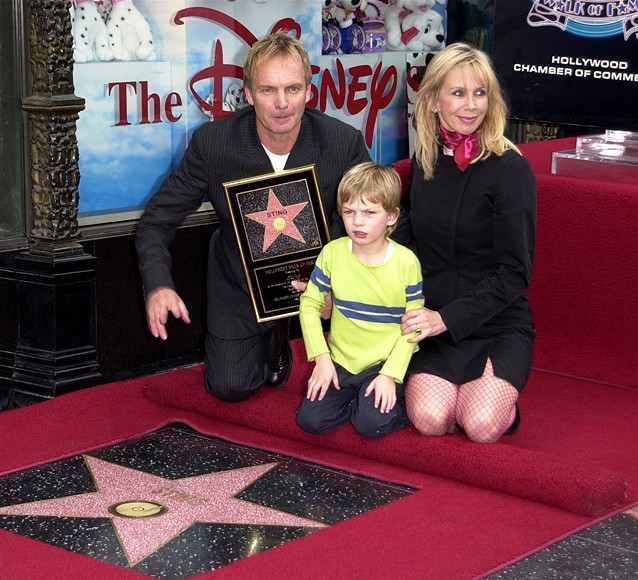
(278, 371)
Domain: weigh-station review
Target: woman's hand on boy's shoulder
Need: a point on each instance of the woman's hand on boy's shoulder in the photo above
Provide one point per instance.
(424, 322)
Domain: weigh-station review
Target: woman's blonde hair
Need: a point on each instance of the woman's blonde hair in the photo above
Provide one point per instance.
(281, 44)
(376, 183)
(492, 138)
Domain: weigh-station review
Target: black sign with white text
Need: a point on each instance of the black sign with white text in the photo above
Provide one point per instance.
(569, 61)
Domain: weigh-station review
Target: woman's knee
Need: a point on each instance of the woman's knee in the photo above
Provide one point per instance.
(481, 430)
(428, 421)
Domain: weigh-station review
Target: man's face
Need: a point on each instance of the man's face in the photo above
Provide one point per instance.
(279, 94)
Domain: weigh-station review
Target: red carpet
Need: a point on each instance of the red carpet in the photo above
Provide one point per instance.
(479, 507)
(586, 486)
(447, 529)
(583, 289)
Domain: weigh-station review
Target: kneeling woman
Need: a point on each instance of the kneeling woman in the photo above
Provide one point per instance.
(472, 211)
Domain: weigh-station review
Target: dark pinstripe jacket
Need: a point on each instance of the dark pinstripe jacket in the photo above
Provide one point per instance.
(222, 151)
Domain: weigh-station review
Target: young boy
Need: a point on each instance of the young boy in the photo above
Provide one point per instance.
(358, 374)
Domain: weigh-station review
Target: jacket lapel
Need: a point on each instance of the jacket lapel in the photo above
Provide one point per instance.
(255, 160)
(304, 149)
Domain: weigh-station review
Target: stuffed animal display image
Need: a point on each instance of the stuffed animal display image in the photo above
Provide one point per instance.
(353, 26)
(376, 8)
(423, 31)
(414, 25)
(90, 38)
(327, 10)
(104, 30)
(235, 98)
(364, 35)
(130, 35)
(346, 11)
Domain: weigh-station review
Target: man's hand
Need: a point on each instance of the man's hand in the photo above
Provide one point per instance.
(385, 393)
(159, 303)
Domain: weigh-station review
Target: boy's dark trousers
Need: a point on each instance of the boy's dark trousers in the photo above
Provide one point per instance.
(348, 404)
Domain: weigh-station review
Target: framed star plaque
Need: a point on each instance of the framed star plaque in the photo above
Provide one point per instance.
(281, 227)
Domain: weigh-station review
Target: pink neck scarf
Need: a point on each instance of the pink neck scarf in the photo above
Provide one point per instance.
(465, 147)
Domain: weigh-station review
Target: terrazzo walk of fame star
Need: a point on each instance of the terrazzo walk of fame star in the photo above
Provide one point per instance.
(175, 503)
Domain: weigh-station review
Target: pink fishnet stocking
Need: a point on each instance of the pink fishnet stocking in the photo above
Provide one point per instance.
(486, 406)
(430, 403)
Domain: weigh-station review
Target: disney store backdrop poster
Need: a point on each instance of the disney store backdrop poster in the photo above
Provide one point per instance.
(141, 113)
(569, 61)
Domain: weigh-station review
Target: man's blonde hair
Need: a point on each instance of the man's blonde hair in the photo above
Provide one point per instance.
(281, 44)
(375, 183)
(492, 138)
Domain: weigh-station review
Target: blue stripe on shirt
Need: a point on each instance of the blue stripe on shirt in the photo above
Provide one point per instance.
(387, 318)
(414, 292)
(391, 310)
(369, 312)
(320, 280)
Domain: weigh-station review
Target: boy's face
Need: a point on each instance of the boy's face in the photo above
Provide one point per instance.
(366, 222)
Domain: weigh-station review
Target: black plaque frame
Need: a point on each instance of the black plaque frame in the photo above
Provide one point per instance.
(280, 226)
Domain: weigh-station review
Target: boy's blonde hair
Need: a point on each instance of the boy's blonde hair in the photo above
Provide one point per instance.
(492, 140)
(376, 183)
(281, 44)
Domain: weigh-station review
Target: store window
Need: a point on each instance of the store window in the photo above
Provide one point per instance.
(12, 197)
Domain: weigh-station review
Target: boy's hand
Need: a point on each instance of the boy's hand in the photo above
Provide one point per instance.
(385, 393)
(323, 374)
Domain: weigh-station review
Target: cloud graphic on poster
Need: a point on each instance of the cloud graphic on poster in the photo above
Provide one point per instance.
(125, 152)
(122, 158)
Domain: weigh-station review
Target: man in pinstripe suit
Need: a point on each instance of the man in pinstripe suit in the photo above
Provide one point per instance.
(275, 132)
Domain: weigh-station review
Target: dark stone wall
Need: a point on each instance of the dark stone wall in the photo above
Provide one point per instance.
(8, 326)
(125, 347)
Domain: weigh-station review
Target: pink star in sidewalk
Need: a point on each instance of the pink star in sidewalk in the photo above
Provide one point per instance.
(147, 511)
(278, 219)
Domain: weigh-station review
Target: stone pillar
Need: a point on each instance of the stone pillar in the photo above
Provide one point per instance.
(56, 350)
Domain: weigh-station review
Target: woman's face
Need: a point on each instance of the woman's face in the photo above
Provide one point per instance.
(462, 101)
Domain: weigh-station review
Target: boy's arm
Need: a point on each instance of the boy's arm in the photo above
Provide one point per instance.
(310, 304)
(399, 357)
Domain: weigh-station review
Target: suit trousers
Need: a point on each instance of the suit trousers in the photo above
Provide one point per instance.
(349, 405)
(236, 368)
